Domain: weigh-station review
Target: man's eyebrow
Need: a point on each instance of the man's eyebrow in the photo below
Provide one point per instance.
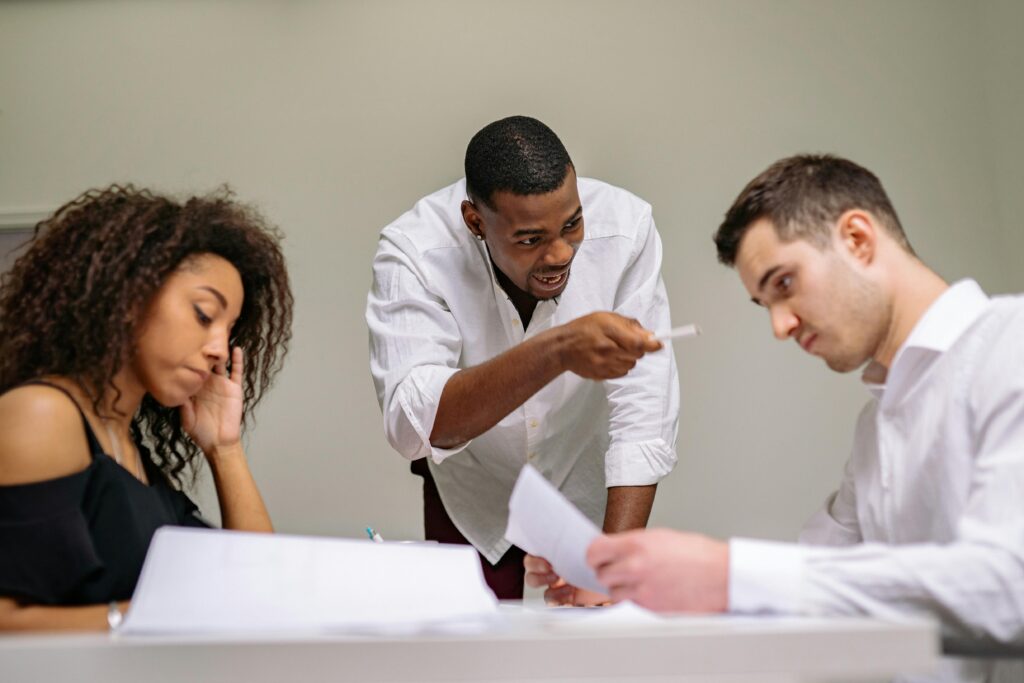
(575, 215)
(767, 276)
(220, 297)
(528, 231)
(524, 232)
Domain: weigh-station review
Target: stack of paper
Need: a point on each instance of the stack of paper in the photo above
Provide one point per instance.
(206, 581)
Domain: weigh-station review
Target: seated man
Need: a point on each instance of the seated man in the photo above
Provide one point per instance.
(492, 310)
(928, 519)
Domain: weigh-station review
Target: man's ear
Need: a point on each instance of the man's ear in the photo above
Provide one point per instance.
(474, 221)
(858, 234)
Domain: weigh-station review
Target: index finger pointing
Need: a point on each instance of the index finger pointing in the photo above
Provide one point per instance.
(629, 338)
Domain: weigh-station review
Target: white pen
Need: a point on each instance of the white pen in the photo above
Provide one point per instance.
(374, 536)
(684, 331)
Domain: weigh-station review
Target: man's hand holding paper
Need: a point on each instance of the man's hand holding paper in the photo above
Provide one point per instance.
(546, 525)
(540, 573)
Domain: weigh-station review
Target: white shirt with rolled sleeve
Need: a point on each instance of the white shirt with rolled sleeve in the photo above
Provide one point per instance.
(435, 308)
(929, 517)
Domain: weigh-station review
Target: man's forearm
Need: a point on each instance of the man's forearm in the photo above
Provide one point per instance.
(477, 398)
(629, 507)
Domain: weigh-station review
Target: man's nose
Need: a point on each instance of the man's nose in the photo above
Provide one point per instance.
(784, 322)
(559, 254)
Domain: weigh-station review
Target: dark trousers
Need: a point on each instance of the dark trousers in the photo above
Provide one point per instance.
(506, 577)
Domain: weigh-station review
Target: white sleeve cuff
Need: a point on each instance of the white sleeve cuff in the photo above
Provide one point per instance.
(419, 396)
(638, 464)
(765, 576)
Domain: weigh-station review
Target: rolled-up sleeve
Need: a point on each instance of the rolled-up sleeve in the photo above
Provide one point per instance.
(415, 346)
(644, 404)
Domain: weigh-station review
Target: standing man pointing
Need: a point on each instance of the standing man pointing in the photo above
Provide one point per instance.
(503, 332)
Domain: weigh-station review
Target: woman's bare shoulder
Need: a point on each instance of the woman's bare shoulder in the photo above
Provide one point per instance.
(43, 435)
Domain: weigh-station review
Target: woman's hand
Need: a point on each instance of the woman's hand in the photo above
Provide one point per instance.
(213, 417)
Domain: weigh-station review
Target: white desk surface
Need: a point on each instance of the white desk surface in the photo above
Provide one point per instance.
(533, 646)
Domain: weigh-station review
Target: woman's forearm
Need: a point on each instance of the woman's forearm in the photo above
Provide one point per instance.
(241, 505)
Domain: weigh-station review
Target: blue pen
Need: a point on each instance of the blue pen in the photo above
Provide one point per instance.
(374, 536)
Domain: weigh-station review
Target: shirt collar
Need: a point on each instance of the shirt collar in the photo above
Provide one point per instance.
(942, 324)
(947, 318)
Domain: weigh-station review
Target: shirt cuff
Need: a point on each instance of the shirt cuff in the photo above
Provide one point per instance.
(419, 397)
(765, 576)
(641, 463)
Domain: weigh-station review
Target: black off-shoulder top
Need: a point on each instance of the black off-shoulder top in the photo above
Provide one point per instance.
(81, 539)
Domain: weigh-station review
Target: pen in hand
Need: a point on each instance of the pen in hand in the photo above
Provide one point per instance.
(684, 331)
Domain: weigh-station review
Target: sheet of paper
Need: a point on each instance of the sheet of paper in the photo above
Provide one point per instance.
(542, 522)
(624, 614)
(204, 581)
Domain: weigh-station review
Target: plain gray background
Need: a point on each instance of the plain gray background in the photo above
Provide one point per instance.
(335, 117)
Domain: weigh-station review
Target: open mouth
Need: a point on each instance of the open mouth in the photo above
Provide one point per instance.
(551, 282)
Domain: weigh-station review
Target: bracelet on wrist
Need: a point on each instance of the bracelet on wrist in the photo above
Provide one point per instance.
(114, 616)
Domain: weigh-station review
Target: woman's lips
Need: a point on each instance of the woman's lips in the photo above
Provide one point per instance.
(203, 375)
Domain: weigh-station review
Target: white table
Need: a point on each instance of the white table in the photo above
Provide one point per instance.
(531, 647)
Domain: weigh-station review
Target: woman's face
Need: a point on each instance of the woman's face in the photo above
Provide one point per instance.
(185, 328)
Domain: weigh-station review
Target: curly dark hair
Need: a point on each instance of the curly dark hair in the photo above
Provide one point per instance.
(517, 154)
(71, 305)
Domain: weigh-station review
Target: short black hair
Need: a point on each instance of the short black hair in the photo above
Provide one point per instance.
(517, 154)
(802, 196)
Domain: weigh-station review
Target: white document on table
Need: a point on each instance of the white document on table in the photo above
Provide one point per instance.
(213, 581)
(543, 522)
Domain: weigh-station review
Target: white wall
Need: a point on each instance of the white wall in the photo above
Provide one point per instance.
(1003, 52)
(335, 117)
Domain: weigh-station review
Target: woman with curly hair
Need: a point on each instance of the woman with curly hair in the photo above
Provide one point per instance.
(122, 332)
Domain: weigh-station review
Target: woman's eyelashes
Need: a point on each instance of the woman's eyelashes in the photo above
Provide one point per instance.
(203, 319)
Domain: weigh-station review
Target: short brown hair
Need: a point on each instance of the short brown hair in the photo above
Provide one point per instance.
(802, 195)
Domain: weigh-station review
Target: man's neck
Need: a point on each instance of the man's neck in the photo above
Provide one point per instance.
(914, 291)
(524, 302)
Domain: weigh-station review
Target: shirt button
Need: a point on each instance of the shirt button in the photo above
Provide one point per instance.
(531, 456)
(533, 424)
(515, 321)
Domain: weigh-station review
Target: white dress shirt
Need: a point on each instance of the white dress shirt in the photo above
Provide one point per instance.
(931, 506)
(435, 308)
